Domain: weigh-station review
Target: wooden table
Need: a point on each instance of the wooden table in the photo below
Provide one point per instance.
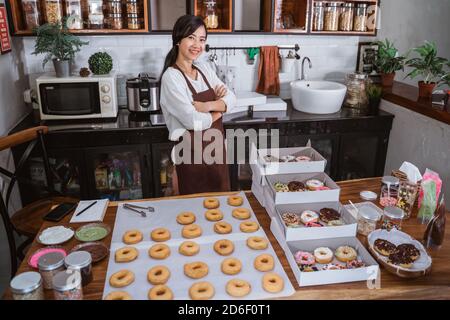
(433, 286)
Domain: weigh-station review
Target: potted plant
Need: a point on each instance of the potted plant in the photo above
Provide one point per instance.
(388, 61)
(430, 67)
(100, 63)
(59, 45)
(374, 93)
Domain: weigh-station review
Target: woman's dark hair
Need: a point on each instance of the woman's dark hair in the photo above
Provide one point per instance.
(184, 27)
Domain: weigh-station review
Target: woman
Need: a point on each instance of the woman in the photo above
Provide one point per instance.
(192, 100)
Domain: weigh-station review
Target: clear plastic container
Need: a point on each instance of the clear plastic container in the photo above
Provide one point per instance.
(389, 191)
(81, 261)
(134, 21)
(74, 14)
(27, 286)
(32, 13)
(407, 193)
(332, 11)
(53, 11)
(346, 17)
(115, 21)
(368, 218)
(360, 19)
(318, 16)
(114, 7)
(49, 265)
(67, 285)
(356, 96)
(392, 218)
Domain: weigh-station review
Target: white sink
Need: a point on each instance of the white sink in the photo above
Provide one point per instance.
(318, 97)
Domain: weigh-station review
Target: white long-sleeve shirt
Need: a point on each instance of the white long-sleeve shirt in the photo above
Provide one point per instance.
(176, 101)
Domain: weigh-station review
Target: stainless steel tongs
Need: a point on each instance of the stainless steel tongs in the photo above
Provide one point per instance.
(136, 208)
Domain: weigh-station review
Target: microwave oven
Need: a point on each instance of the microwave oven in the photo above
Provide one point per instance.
(77, 97)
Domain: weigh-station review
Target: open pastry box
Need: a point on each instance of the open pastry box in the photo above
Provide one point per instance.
(303, 196)
(348, 229)
(370, 272)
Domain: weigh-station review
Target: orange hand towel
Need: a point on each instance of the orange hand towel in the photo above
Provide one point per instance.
(269, 66)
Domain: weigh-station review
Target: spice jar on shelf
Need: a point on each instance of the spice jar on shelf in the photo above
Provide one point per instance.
(49, 265)
(95, 17)
(133, 6)
(74, 14)
(114, 7)
(318, 16)
(32, 13)
(346, 17)
(389, 191)
(392, 218)
(82, 262)
(115, 21)
(134, 22)
(53, 11)
(356, 96)
(211, 17)
(360, 19)
(27, 286)
(67, 285)
(332, 12)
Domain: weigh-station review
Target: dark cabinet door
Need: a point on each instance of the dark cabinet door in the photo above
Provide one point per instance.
(119, 172)
(163, 169)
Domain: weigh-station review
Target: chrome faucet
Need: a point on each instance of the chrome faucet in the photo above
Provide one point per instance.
(303, 74)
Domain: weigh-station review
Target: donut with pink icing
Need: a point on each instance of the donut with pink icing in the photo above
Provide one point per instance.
(304, 258)
(308, 216)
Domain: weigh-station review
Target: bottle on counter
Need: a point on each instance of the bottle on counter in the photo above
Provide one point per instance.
(356, 96)
(318, 16)
(49, 265)
(392, 218)
(32, 13)
(27, 286)
(53, 11)
(360, 19)
(67, 285)
(80, 261)
(389, 191)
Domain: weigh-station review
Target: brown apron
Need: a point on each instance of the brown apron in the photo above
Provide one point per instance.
(197, 178)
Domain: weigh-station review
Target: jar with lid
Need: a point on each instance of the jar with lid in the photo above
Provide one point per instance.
(134, 21)
(360, 19)
(53, 11)
(356, 96)
(392, 218)
(114, 7)
(81, 261)
(346, 17)
(211, 17)
(389, 191)
(27, 286)
(332, 12)
(32, 13)
(407, 193)
(318, 16)
(115, 21)
(95, 17)
(49, 265)
(74, 14)
(133, 7)
(67, 285)
(368, 218)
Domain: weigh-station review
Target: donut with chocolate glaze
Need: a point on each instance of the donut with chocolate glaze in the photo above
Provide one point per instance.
(329, 214)
(409, 250)
(384, 247)
(296, 186)
(399, 259)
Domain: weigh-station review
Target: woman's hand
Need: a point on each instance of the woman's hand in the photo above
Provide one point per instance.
(202, 106)
(216, 116)
(220, 91)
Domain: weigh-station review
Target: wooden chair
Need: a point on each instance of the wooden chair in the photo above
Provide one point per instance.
(28, 220)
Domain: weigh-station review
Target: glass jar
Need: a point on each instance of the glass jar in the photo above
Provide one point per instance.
(27, 286)
(95, 7)
(95, 17)
(133, 7)
(332, 12)
(389, 191)
(49, 265)
(392, 218)
(407, 193)
(211, 18)
(114, 7)
(115, 21)
(67, 285)
(346, 17)
(134, 21)
(368, 218)
(53, 11)
(356, 96)
(360, 19)
(32, 13)
(318, 16)
(81, 261)
(74, 14)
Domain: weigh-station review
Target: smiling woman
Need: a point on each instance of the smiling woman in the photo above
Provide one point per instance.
(193, 99)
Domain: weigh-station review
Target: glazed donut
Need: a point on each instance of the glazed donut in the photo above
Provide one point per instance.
(222, 227)
(314, 184)
(160, 292)
(159, 251)
(126, 254)
(201, 291)
(249, 226)
(211, 203)
(309, 216)
(272, 282)
(231, 266)
(304, 258)
(121, 278)
(186, 218)
(196, 270)
(224, 247)
(345, 253)
(264, 262)
(235, 201)
(158, 275)
(191, 231)
(302, 159)
(214, 215)
(257, 243)
(160, 234)
(323, 255)
(189, 248)
(238, 288)
(132, 237)
(241, 213)
(118, 295)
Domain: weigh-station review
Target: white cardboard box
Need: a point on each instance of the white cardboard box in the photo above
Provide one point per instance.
(369, 273)
(303, 233)
(249, 98)
(303, 196)
(258, 192)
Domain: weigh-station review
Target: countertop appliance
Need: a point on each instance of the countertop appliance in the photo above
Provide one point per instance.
(143, 94)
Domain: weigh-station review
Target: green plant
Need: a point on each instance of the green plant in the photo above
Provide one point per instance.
(56, 42)
(388, 60)
(428, 65)
(100, 63)
(374, 91)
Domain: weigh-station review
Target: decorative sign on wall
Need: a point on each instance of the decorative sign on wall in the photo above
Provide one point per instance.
(5, 43)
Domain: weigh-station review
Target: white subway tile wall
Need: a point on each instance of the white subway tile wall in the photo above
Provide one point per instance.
(332, 57)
